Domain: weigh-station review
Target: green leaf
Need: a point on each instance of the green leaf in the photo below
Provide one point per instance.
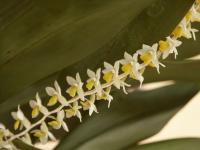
(23, 146)
(175, 144)
(53, 37)
(135, 116)
(188, 71)
(62, 34)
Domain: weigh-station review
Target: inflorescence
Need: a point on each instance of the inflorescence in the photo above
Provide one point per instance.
(131, 66)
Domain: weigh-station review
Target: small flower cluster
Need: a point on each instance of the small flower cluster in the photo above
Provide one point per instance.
(132, 66)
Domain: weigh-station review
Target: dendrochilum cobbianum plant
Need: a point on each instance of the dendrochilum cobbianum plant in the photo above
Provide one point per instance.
(131, 66)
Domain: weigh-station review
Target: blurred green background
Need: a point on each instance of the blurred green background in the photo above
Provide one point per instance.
(43, 41)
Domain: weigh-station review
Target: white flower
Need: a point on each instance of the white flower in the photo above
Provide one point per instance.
(106, 96)
(4, 134)
(56, 95)
(109, 98)
(148, 54)
(37, 106)
(74, 111)
(21, 120)
(193, 15)
(89, 105)
(43, 133)
(58, 122)
(186, 30)
(4, 131)
(169, 46)
(131, 66)
(117, 81)
(94, 80)
(76, 86)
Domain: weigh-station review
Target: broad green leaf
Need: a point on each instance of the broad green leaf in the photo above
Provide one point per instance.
(175, 144)
(55, 37)
(130, 119)
(58, 34)
(188, 70)
(21, 145)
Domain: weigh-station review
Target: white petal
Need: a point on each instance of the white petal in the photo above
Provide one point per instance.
(78, 78)
(91, 73)
(26, 123)
(116, 66)
(20, 114)
(78, 114)
(51, 136)
(124, 89)
(135, 57)
(146, 47)
(155, 46)
(50, 91)
(127, 56)
(14, 115)
(64, 125)
(60, 115)
(92, 109)
(108, 66)
(32, 103)
(62, 100)
(57, 87)
(44, 110)
(98, 74)
(38, 99)
(99, 89)
(109, 101)
(81, 94)
(123, 61)
(71, 80)
(2, 126)
(44, 127)
(165, 55)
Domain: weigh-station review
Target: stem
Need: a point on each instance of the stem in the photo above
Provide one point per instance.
(105, 85)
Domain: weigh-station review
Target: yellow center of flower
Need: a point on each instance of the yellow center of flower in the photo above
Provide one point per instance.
(17, 124)
(90, 84)
(39, 134)
(86, 105)
(163, 45)
(108, 76)
(103, 96)
(146, 58)
(72, 91)
(178, 32)
(127, 68)
(1, 135)
(54, 123)
(188, 16)
(53, 100)
(69, 113)
(35, 112)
